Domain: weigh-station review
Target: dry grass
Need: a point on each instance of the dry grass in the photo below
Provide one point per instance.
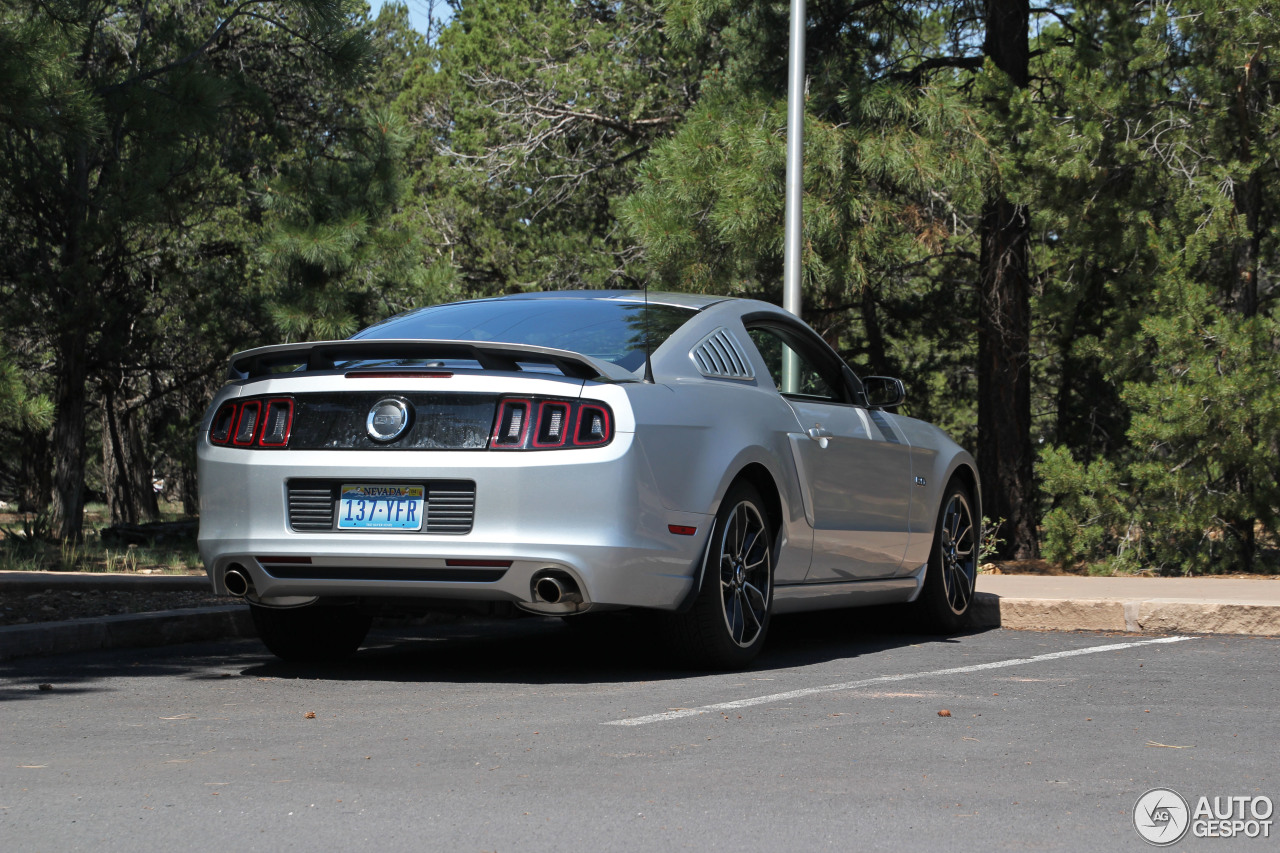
(26, 544)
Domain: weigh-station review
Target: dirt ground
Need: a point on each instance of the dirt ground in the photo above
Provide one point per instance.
(21, 608)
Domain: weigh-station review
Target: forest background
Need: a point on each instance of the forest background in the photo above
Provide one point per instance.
(1056, 223)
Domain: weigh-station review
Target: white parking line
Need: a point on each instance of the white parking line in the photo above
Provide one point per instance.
(867, 682)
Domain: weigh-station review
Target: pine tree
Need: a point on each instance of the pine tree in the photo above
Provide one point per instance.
(531, 119)
(126, 127)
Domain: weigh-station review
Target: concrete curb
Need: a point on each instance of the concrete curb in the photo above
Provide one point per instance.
(86, 581)
(1142, 616)
(134, 630)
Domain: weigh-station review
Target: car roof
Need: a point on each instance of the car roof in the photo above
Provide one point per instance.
(680, 300)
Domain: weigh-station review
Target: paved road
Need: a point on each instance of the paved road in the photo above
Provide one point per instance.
(531, 736)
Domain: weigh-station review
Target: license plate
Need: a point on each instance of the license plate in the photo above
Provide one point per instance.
(366, 506)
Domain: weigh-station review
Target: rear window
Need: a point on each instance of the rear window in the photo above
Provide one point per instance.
(606, 329)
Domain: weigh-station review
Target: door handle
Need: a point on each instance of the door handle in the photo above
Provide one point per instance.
(820, 435)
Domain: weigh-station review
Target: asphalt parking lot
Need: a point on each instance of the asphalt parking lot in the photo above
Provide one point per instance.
(529, 735)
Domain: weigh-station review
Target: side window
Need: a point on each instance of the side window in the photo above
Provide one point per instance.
(806, 379)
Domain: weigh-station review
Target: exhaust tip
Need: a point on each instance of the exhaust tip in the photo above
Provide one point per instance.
(236, 581)
(549, 590)
(556, 589)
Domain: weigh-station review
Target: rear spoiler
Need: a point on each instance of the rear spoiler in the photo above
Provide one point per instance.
(328, 355)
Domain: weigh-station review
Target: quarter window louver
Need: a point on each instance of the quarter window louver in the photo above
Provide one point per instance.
(720, 356)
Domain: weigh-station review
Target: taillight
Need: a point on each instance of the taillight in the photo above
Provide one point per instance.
(247, 424)
(253, 423)
(276, 423)
(532, 424)
(553, 425)
(223, 421)
(593, 426)
(512, 424)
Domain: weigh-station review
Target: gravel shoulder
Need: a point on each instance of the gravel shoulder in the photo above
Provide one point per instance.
(55, 605)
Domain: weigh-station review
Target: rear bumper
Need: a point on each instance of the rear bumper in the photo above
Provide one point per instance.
(592, 513)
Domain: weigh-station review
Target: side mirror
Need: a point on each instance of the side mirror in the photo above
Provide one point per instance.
(884, 392)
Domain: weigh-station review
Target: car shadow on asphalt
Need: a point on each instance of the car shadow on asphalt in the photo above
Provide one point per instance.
(535, 650)
(550, 651)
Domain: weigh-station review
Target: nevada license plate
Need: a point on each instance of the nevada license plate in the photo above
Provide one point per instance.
(365, 506)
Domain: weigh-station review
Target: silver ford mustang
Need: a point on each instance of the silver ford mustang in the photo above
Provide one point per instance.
(709, 460)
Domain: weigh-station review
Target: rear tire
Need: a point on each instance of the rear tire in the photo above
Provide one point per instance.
(311, 634)
(953, 564)
(727, 625)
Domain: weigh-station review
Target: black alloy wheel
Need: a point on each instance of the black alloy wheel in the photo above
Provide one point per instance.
(953, 562)
(727, 624)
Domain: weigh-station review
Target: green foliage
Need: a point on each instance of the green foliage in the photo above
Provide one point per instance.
(1198, 482)
(336, 259)
(35, 528)
(989, 547)
(1090, 520)
(531, 119)
(1206, 427)
(1168, 338)
(129, 131)
(19, 407)
(185, 179)
(711, 202)
(893, 174)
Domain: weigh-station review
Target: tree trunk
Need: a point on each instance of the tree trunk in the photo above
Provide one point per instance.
(1004, 321)
(876, 347)
(68, 433)
(1004, 377)
(1252, 103)
(190, 491)
(1007, 38)
(71, 365)
(1243, 297)
(35, 492)
(126, 475)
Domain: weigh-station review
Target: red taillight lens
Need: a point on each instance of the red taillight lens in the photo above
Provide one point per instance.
(535, 424)
(512, 425)
(247, 424)
(276, 423)
(223, 421)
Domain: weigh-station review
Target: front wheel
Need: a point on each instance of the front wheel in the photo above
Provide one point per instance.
(317, 632)
(953, 563)
(729, 619)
